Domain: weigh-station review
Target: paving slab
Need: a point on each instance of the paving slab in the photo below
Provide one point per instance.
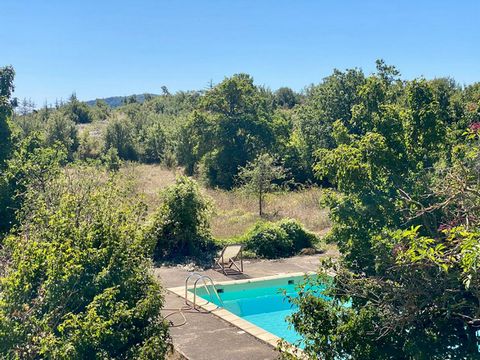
(205, 336)
(173, 276)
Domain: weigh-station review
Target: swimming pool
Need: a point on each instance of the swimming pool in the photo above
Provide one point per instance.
(261, 302)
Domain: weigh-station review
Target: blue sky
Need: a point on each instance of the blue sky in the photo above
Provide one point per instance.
(105, 48)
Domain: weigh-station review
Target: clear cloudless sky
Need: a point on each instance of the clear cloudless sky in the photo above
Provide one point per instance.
(101, 48)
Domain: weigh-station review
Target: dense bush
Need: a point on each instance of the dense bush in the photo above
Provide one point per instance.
(31, 166)
(88, 146)
(60, 129)
(78, 282)
(181, 225)
(281, 239)
(120, 135)
(155, 144)
(300, 237)
(6, 87)
(269, 241)
(77, 111)
(111, 160)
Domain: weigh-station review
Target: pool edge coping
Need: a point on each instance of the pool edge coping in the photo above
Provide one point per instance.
(244, 325)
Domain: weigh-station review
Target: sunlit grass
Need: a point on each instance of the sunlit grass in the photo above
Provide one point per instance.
(235, 211)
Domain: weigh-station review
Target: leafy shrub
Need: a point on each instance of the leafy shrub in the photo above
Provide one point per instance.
(60, 129)
(78, 284)
(300, 237)
(269, 241)
(77, 111)
(120, 135)
(281, 239)
(112, 160)
(89, 146)
(155, 144)
(31, 166)
(181, 225)
(6, 87)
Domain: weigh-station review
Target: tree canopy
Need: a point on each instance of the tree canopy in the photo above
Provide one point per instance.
(7, 75)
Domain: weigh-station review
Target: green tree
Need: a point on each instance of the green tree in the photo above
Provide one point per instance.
(261, 177)
(285, 98)
(60, 128)
(7, 75)
(377, 159)
(120, 136)
(196, 139)
(404, 216)
(331, 100)
(88, 146)
(155, 143)
(112, 160)
(236, 115)
(77, 111)
(102, 110)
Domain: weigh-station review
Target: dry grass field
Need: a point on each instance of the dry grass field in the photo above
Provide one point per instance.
(235, 212)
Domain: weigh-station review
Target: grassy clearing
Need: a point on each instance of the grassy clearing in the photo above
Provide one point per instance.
(235, 211)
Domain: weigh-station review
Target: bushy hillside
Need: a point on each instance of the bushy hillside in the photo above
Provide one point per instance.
(116, 101)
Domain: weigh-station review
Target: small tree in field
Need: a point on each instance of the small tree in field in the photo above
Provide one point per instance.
(261, 177)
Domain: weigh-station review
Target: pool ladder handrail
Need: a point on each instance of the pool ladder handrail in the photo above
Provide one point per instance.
(203, 278)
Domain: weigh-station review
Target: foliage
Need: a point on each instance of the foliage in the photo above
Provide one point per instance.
(406, 221)
(269, 241)
(119, 135)
(372, 167)
(77, 111)
(231, 128)
(112, 160)
(30, 167)
(259, 177)
(180, 227)
(214, 132)
(425, 306)
(286, 98)
(88, 146)
(101, 110)
(281, 239)
(60, 129)
(325, 103)
(79, 284)
(155, 144)
(6, 87)
(300, 237)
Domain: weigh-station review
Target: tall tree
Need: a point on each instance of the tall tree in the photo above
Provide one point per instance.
(7, 75)
(285, 97)
(78, 111)
(237, 114)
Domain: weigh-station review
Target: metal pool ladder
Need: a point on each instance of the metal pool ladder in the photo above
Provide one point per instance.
(204, 278)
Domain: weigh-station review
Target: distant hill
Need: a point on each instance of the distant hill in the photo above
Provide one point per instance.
(116, 101)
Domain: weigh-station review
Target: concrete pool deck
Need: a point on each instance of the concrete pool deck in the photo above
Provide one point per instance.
(205, 336)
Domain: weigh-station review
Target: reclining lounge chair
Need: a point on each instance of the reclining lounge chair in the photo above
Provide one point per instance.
(230, 257)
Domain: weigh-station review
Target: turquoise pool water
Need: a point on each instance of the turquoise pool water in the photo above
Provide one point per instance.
(262, 303)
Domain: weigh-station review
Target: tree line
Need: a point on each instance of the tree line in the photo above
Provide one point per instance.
(399, 160)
